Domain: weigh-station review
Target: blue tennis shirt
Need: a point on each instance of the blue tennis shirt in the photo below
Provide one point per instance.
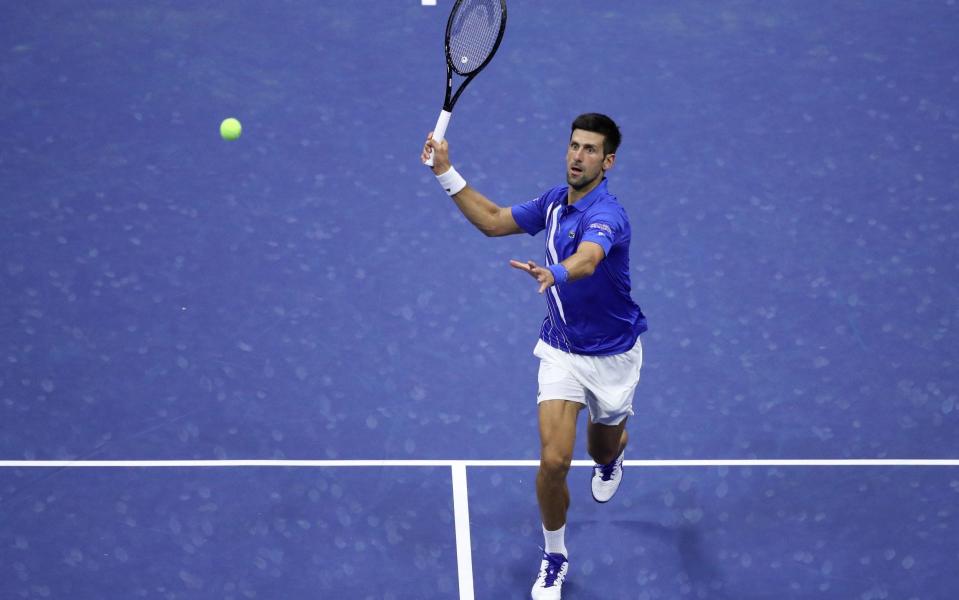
(595, 315)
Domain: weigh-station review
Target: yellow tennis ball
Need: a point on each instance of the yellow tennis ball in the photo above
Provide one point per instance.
(230, 129)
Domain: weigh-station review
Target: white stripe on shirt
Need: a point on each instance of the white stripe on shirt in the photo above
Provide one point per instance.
(551, 249)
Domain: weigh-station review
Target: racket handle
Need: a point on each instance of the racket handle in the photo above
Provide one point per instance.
(439, 132)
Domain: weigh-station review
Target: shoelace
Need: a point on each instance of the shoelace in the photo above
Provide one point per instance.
(607, 471)
(552, 570)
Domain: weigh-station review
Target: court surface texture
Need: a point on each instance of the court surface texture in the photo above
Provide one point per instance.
(287, 367)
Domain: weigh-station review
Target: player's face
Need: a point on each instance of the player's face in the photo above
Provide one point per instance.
(585, 162)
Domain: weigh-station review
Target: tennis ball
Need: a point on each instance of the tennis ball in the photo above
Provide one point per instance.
(230, 129)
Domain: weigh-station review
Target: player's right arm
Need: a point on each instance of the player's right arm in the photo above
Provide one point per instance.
(491, 219)
(487, 216)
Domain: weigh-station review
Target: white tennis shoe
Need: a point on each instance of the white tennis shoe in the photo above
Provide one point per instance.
(606, 479)
(552, 573)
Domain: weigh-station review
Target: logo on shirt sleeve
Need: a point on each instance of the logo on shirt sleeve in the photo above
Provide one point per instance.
(602, 229)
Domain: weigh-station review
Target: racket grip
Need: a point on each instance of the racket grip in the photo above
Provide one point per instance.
(439, 132)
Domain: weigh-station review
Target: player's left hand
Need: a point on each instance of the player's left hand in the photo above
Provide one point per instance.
(542, 275)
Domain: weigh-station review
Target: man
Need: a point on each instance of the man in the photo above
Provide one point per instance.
(589, 349)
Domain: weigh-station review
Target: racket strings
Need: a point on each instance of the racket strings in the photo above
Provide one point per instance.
(474, 34)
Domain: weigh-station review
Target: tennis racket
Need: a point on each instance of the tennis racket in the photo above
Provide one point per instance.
(473, 33)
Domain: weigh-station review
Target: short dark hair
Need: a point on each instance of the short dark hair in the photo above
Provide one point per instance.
(602, 125)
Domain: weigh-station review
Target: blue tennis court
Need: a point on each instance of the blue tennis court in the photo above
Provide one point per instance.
(287, 367)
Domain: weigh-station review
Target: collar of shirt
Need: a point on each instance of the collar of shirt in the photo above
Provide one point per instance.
(589, 199)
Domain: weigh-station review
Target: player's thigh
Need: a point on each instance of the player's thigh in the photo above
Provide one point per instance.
(557, 428)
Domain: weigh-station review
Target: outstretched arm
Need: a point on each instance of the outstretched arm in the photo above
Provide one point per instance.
(487, 216)
(581, 264)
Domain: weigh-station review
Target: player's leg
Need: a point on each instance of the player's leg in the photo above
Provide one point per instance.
(605, 442)
(557, 433)
(611, 381)
(607, 446)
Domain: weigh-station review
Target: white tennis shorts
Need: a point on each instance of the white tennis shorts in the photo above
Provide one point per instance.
(605, 384)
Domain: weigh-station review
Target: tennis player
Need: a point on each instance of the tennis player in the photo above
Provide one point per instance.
(589, 347)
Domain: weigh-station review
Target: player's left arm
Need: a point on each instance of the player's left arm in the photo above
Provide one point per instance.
(581, 264)
(584, 261)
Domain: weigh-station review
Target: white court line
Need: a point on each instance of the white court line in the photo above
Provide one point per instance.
(464, 560)
(815, 462)
(461, 517)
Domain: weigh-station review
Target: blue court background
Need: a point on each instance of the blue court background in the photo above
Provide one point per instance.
(309, 292)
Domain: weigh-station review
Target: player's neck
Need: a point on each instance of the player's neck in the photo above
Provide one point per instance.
(574, 195)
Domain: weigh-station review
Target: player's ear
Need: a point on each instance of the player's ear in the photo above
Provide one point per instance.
(608, 161)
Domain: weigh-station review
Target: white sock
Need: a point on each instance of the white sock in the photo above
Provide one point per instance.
(555, 542)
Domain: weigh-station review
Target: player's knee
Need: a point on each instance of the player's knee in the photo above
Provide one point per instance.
(555, 464)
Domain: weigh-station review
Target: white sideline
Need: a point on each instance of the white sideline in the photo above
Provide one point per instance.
(461, 516)
(815, 462)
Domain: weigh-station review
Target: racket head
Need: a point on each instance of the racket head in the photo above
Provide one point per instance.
(473, 34)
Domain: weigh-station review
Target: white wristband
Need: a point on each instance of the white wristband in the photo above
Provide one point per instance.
(452, 181)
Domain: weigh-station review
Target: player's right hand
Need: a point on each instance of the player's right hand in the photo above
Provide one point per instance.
(441, 154)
